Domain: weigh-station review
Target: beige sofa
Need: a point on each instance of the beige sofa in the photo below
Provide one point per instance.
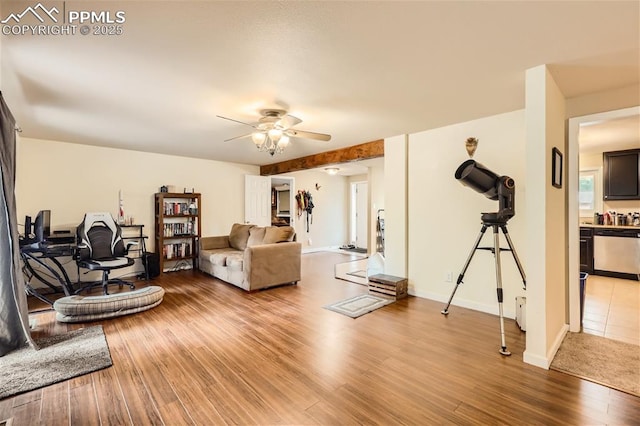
(252, 257)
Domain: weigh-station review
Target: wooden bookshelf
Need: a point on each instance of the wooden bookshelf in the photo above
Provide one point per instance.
(177, 230)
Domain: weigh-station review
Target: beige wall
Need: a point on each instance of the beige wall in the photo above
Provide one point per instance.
(71, 179)
(395, 199)
(546, 230)
(556, 232)
(444, 216)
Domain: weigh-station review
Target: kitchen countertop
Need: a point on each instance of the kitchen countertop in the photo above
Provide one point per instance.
(590, 225)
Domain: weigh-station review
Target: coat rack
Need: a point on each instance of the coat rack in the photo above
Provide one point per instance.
(305, 205)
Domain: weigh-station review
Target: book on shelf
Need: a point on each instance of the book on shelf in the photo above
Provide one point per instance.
(175, 208)
(177, 250)
(181, 229)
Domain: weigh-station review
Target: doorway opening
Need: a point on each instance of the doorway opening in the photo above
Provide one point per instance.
(359, 215)
(585, 199)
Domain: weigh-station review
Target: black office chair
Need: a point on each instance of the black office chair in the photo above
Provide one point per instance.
(101, 248)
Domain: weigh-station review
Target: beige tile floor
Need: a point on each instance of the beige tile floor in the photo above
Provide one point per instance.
(612, 308)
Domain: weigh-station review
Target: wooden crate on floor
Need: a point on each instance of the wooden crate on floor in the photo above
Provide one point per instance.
(388, 286)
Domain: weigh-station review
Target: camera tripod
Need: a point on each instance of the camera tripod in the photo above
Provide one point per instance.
(490, 220)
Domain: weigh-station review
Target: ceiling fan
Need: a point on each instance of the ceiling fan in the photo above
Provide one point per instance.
(274, 128)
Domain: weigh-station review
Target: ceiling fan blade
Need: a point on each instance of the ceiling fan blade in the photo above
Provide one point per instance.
(308, 135)
(236, 121)
(289, 121)
(238, 137)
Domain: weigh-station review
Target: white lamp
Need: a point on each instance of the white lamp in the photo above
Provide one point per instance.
(283, 142)
(332, 170)
(275, 135)
(258, 138)
(273, 141)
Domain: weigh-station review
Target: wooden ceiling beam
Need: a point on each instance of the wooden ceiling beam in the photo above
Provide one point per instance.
(364, 151)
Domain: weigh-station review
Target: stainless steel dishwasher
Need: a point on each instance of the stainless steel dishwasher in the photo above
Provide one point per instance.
(617, 251)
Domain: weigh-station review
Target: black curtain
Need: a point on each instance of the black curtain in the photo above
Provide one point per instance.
(14, 318)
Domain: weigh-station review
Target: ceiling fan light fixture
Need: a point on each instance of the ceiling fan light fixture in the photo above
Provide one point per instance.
(258, 138)
(273, 131)
(275, 135)
(283, 142)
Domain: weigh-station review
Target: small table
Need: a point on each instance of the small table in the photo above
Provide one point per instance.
(388, 286)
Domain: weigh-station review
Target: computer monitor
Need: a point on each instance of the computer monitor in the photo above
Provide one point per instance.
(42, 225)
(27, 226)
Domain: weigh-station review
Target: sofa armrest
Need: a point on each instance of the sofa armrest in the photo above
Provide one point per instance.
(272, 264)
(211, 243)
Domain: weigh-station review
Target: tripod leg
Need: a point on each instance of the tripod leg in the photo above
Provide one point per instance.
(445, 311)
(515, 255)
(496, 245)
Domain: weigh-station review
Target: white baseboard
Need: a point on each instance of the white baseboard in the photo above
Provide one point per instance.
(557, 342)
(545, 361)
(317, 249)
(536, 360)
(469, 304)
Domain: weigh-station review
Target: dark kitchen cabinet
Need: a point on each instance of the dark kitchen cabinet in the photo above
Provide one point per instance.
(622, 175)
(586, 250)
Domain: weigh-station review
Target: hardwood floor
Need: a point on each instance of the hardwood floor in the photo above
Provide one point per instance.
(213, 354)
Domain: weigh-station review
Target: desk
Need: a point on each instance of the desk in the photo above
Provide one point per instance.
(44, 255)
(137, 235)
(39, 253)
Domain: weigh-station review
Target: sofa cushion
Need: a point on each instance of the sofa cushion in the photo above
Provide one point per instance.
(239, 236)
(219, 259)
(218, 256)
(278, 234)
(256, 236)
(235, 261)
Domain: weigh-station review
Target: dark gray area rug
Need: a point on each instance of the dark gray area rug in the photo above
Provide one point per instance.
(359, 305)
(354, 249)
(60, 357)
(604, 361)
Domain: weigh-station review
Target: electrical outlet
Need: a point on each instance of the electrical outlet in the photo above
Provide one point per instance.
(310, 242)
(449, 277)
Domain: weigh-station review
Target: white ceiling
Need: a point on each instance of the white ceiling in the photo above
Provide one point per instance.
(359, 71)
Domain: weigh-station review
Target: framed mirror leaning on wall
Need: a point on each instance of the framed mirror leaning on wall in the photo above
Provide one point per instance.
(283, 202)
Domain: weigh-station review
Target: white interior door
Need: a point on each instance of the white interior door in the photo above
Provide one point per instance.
(257, 200)
(362, 214)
